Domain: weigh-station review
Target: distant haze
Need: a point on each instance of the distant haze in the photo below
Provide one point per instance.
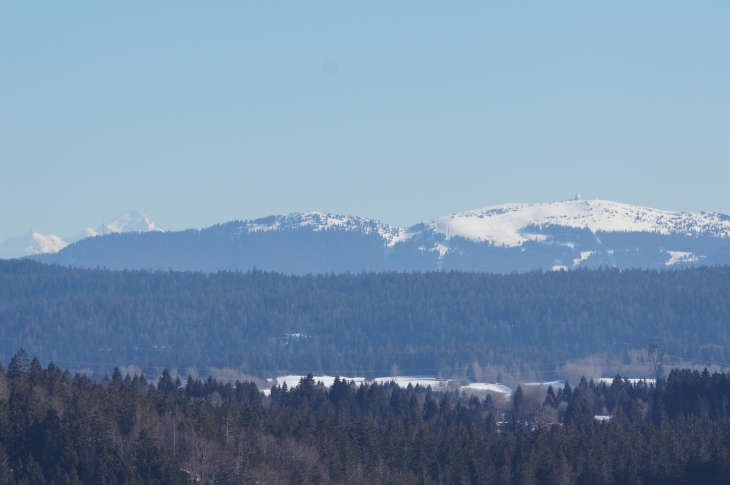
(401, 112)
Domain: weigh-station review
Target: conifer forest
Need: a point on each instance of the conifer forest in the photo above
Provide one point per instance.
(104, 378)
(59, 428)
(364, 243)
(358, 324)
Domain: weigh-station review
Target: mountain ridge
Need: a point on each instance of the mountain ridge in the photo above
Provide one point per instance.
(501, 238)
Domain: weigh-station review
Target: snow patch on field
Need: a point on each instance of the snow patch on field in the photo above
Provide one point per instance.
(680, 257)
(327, 381)
(482, 386)
(402, 381)
(609, 380)
(544, 384)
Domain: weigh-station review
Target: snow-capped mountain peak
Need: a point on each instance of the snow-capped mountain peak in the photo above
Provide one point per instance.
(31, 243)
(45, 243)
(506, 224)
(129, 221)
(34, 242)
(132, 221)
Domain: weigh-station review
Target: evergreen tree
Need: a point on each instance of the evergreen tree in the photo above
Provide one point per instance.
(19, 366)
(518, 401)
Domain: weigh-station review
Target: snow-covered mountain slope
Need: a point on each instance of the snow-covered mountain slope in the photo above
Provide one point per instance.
(504, 238)
(321, 221)
(31, 243)
(513, 224)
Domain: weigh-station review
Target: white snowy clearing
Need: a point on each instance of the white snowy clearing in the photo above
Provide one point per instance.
(609, 380)
(482, 386)
(327, 381)
(544, 384)
(680, 257)
(402, 381)
(423, 381)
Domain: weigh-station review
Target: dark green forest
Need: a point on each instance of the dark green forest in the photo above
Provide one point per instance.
(56, 428)
(356, 324)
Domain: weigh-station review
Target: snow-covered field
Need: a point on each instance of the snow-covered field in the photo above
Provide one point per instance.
(545, 384)
(483, 386)
(435, 384)
(424, 381)
(609, 380)
(327, 381)
(402, 381)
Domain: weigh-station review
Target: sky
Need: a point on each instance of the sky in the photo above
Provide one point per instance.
(196, 113)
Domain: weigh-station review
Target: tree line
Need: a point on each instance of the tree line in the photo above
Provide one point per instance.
(59, 428)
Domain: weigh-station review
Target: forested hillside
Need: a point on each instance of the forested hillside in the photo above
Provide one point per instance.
(356, 324)
(56, 428)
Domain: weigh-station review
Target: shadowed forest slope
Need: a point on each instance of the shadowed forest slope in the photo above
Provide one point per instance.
(357, 324)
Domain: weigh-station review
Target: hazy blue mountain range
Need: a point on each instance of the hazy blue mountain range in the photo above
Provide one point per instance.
(503, 238)
(33, 242)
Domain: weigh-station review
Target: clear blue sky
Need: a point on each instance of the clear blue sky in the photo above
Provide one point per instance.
(202, 112)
